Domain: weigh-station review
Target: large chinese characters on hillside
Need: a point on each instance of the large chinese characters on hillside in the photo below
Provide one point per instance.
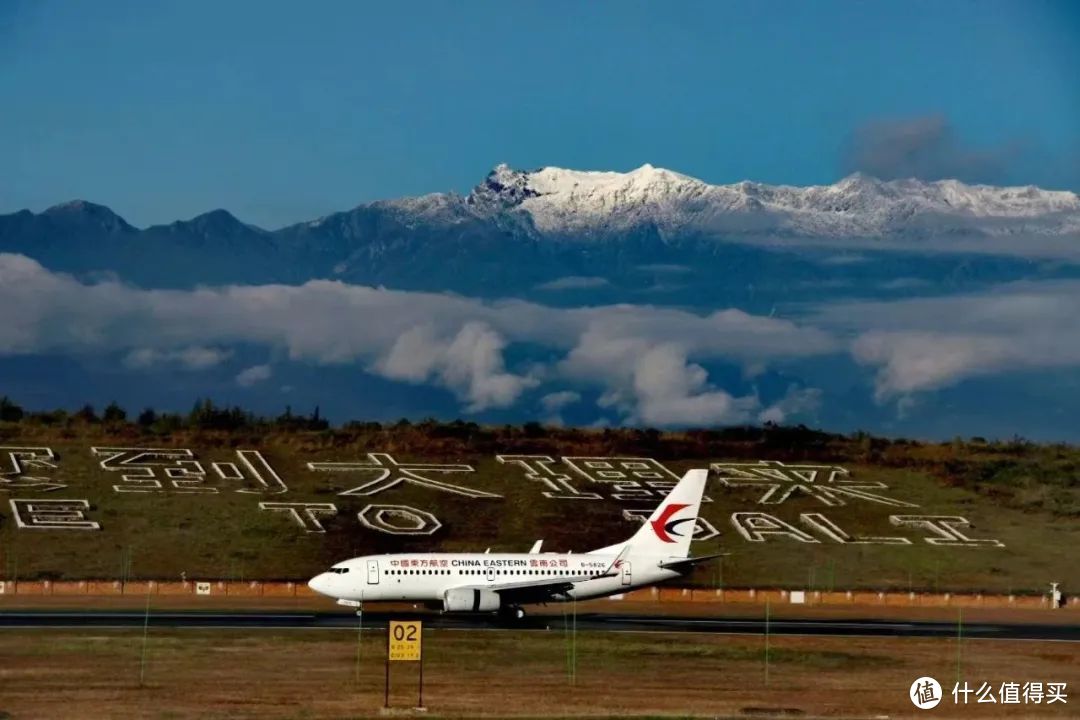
(32, 477)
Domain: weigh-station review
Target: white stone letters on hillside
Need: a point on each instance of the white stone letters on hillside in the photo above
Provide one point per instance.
(52, 514)
(31, 469)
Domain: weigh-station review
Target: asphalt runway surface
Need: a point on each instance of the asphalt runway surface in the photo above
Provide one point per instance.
(591, 622)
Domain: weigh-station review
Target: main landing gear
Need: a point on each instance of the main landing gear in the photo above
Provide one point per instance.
(512, 612)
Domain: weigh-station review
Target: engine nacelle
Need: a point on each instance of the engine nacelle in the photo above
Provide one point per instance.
(470, 600)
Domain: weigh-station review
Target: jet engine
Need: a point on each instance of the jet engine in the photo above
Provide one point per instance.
(470, 600)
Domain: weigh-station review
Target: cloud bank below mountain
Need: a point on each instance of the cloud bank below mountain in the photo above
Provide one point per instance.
(648, 365)
(638, 355)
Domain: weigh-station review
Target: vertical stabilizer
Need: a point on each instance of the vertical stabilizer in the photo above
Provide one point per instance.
(669, 529)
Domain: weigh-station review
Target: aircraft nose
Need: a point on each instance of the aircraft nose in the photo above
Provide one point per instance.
(320, 583)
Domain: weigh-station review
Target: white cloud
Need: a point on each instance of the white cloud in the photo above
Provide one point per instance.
(920, 361)
(556, 401)
(653, 383)
(642, 356)
(189, 358)
(553, 404)
(646, 362)
(903, 283)
(647, 357)
(919, 345)
(473, 367)
(413, 355)
(254, 375)
(795, 402)
(664, 268)
(470, 364)
(1026, 245)
(573, 282)
(199, 358)
(668, 390)
(845, 259)
(143, 358)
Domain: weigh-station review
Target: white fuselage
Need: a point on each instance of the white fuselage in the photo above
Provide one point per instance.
(428, 576)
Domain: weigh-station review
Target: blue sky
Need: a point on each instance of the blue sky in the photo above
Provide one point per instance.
(284, 111)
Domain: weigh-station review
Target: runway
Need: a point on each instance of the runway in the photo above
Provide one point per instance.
(590, 622)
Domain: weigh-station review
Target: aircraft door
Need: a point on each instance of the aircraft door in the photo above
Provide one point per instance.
(626, 572)
(373, 572)
(490, 575)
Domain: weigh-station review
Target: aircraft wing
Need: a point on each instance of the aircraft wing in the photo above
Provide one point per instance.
(532, 590)
(543, 588)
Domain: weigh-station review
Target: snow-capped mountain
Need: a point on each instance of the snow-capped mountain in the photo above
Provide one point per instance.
(567, 201)
(649, 238)
(517, 230)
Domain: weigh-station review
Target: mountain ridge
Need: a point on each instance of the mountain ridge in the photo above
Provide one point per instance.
(518, 231)
(561, 239)
(553, 193)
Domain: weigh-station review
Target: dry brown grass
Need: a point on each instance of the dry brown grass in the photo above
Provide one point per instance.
(778, 611)
(313, 674)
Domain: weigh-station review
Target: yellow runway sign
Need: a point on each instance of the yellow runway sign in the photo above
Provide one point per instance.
(405, 639)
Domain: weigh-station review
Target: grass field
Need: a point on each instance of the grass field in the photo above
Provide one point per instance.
(1025, 496)
(317, 674)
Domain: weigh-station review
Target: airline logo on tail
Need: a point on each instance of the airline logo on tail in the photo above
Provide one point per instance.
(664, 526)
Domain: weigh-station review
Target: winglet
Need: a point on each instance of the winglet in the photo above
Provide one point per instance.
(536, 547)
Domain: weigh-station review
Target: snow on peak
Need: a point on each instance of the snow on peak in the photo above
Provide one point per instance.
(503, 187)
(576, 201)
(559, 199)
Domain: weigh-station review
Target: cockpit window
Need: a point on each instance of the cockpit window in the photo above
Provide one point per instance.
(339, 570)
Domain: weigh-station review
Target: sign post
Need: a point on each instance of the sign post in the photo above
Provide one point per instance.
(404, 644)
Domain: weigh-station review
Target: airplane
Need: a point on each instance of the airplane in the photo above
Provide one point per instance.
(504, 582)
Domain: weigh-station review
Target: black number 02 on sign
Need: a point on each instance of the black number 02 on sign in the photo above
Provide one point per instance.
(405, 641)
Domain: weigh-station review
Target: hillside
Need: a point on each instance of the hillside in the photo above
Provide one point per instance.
(191, 506)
